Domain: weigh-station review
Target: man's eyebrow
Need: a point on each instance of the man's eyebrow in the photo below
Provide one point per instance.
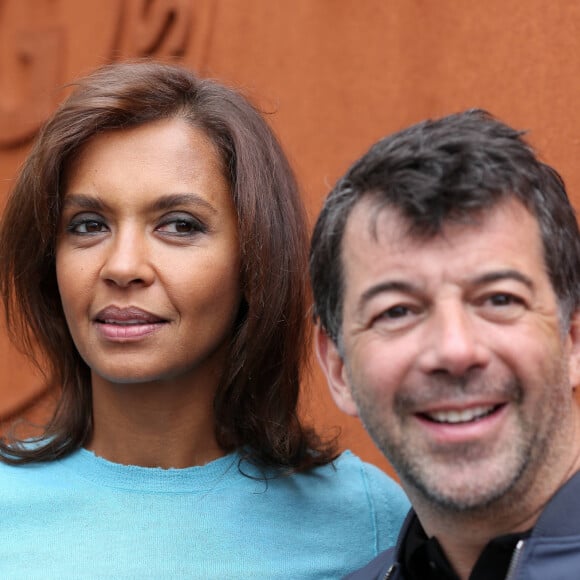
(408, 288)
(498, 275)
(382, 287)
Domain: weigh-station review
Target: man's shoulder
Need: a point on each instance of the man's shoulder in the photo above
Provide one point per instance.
(560, 517)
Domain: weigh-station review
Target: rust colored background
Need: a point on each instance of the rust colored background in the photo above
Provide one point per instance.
(332, 75)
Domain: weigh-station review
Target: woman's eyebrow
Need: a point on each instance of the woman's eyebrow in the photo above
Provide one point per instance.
(84, 201)
(162, 203)
(170, 201)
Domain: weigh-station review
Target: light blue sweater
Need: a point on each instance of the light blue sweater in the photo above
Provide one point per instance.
(84, 517)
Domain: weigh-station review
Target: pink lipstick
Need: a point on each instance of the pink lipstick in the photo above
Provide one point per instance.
(127, 324)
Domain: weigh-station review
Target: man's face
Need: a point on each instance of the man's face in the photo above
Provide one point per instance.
(453, 352)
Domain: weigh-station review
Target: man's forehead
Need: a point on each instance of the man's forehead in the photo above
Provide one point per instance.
(381, 220)
(379, 243)
(372, 218)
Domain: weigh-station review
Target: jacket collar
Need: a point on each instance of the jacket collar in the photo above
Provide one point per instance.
(560, 516)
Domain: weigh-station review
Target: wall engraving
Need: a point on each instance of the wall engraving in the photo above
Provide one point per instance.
(38, 37)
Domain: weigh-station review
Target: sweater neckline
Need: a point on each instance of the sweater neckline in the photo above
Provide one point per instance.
(217, 473)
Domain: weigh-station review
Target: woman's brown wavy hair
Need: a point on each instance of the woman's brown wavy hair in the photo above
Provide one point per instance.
(256, 404)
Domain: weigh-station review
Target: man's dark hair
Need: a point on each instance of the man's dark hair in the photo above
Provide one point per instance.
(443, 171)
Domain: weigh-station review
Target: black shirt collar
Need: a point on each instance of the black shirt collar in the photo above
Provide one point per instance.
(423, 558)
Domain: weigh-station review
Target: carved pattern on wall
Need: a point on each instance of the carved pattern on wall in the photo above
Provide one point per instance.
(31, 54)
(35, 36)
(157, 28)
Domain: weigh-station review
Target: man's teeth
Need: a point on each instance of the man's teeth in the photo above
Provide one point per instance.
(463, 416)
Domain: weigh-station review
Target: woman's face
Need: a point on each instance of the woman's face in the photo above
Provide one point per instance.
(147, 257)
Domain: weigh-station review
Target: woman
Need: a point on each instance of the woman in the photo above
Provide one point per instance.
(154, 261)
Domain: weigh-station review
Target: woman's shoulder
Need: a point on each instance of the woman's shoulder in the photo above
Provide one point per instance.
(29, 479)
(348, 469)
(351, 478)
(388, 503)
(351, 490)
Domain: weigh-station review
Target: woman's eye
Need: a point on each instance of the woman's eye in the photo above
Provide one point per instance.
(86, 226)
(181, 226)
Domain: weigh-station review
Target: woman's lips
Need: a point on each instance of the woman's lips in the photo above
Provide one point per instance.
(126, 324)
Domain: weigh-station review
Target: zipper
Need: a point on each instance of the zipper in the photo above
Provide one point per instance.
(390, 571)
(515, 559)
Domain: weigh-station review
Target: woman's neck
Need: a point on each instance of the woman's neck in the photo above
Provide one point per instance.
(162, 424)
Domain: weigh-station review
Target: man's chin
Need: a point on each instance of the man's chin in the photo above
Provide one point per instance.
(462, 495)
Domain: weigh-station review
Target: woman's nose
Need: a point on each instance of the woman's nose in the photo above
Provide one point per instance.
(128, 261)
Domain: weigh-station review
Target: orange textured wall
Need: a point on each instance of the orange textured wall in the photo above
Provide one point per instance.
(333, 76)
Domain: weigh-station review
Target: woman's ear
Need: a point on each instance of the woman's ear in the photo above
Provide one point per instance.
(334, 369)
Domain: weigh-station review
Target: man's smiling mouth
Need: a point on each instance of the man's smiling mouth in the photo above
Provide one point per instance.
(459, 416)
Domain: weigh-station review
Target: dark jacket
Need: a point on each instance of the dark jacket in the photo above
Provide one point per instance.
(552, 552)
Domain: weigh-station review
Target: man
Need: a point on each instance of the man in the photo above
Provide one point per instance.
(446, 275)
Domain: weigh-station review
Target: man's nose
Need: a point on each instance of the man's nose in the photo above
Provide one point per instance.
(453, 342)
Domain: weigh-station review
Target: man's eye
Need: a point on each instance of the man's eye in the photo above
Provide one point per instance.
(396, 312)
(503, 300)
(502, 307)
(397, 318)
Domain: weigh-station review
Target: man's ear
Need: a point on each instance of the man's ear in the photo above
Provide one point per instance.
(335, 370)
(574, 357)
